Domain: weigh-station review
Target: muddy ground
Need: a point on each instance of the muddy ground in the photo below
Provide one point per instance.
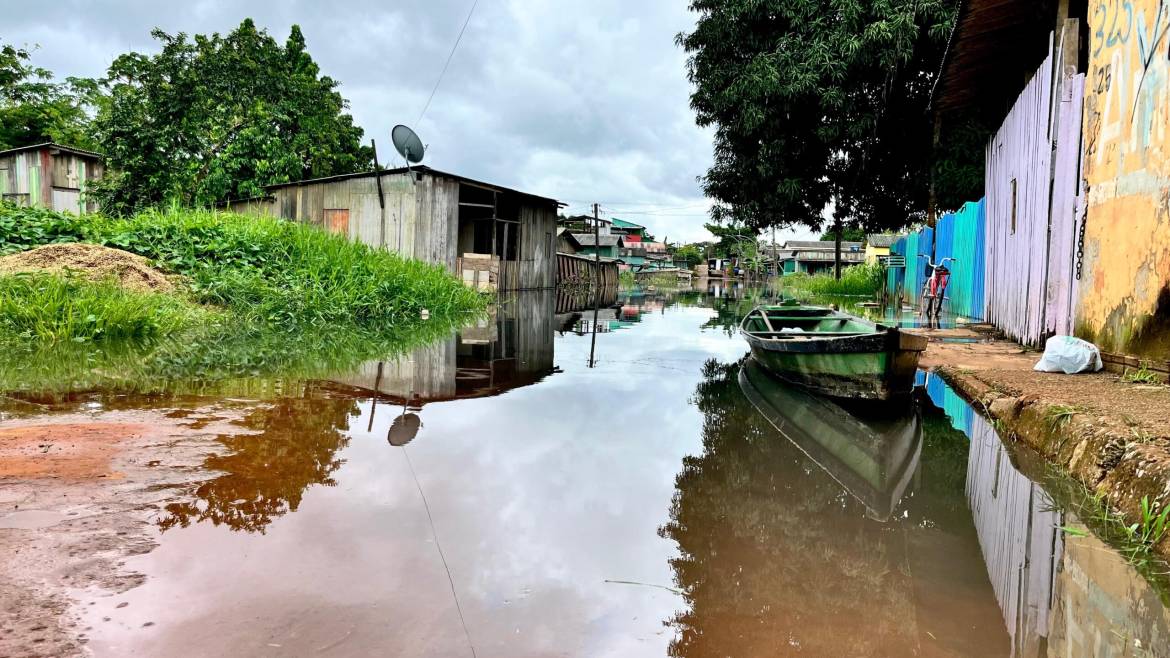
(79, 492)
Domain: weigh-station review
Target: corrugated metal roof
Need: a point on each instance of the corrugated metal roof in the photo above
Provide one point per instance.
(67, 149)
(421, 169)
(586, 240)
(881, 239)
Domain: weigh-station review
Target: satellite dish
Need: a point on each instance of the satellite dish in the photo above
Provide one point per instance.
(408, 144)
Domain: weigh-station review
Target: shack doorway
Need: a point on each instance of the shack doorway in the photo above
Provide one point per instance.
(489, 238)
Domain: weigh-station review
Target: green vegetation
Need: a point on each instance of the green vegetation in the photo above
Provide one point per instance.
(865, 279)
(811, 106)
(35, 109)
(52, 309)
(1142, 375)
(258, 297)
(1059, 415)
(275, 119)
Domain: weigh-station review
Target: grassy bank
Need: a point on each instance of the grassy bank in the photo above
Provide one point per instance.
(863, 279)
(252, 296)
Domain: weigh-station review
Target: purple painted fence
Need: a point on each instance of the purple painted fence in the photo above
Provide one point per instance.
(1033, 174)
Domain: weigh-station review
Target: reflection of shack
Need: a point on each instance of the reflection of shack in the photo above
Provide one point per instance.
(490, 236)
(509, 349)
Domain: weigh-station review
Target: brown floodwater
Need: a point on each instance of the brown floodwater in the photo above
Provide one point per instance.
(532, 487)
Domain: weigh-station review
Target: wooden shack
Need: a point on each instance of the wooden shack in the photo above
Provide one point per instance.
(493, 237)
(49, 176)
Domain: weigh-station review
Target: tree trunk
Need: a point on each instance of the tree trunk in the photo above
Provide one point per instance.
(837, 250)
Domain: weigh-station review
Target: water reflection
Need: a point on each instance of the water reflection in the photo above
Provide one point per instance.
(776, 558)
(509, 348)
(1061, 595)
(287, 446)
(871, 451)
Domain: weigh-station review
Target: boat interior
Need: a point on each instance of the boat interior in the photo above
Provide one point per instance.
(803, 322)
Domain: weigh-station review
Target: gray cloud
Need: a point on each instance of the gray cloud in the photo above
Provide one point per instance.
(580, 100)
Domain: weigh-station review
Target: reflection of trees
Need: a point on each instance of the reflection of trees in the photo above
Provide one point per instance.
(775, 557)
(265, 473)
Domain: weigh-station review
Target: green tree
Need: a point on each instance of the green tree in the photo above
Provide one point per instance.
(34, 109)
(688, 255)
(814, 102)
(219, 117)
(731, 239)
(847, 235)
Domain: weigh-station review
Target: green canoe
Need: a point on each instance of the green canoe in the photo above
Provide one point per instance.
(833, 353)
(871, 451)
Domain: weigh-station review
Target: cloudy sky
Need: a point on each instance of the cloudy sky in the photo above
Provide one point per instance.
(580, 100)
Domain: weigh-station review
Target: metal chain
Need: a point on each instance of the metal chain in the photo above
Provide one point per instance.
(1081, 247)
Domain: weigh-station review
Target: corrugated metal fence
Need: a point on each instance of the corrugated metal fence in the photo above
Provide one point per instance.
(1016, 247)
(958, 235)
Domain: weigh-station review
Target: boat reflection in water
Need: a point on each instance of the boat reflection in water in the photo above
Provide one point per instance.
(871, 451)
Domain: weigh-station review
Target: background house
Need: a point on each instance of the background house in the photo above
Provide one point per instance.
(877, 247)
(608, 246)
(490, 236)
(814, 256)
(49, 176)
(629, 231)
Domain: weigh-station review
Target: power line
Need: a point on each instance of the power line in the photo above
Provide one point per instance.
(435, 535)
(448, 62)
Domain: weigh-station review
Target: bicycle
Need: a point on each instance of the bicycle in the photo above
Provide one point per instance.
(935, 289)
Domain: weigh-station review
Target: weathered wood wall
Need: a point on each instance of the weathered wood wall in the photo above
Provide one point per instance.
(420, 220)
(573, 269)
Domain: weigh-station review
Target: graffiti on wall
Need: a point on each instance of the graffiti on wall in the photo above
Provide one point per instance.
(1125, 288)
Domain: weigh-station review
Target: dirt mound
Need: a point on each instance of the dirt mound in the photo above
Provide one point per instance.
(92, 261)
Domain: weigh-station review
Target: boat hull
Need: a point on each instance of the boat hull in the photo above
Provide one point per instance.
(878, 366)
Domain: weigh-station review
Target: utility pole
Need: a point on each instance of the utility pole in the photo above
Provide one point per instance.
(596, 284)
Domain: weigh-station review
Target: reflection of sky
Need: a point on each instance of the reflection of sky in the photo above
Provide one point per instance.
(538, 497)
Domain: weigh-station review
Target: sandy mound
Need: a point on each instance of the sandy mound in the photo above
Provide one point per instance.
(92, 261)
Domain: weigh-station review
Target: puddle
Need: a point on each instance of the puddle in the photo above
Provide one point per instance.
(547, 484)
(31, 519)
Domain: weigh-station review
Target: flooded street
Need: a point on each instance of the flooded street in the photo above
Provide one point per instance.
(533, 488)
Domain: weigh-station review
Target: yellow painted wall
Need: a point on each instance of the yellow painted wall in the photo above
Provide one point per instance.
(1124, 293)
(872, 253)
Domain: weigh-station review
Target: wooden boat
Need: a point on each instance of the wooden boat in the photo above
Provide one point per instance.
(833, 353)
(871, 451)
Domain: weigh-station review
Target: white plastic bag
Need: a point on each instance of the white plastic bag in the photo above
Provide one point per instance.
(1069, 355)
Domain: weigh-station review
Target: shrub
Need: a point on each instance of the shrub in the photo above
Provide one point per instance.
(865, 279)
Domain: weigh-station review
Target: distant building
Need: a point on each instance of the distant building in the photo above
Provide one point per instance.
(566, 243)
(812, 257)
(492, 237)
(49, 176)
(877, 247)
(608, 246)
(629, 231)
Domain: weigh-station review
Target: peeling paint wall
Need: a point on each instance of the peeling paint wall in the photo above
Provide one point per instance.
(1124, 291)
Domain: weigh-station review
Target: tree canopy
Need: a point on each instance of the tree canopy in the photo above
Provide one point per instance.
(219, 117)
(816, 103)
(34, 109)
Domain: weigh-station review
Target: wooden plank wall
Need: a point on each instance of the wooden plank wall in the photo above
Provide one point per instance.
(421, 220)
(1017, 257)
(1067, 202)
(576, 270)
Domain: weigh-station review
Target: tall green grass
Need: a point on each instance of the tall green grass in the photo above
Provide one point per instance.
(52, 308)
(865, 279)
(283, 291)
